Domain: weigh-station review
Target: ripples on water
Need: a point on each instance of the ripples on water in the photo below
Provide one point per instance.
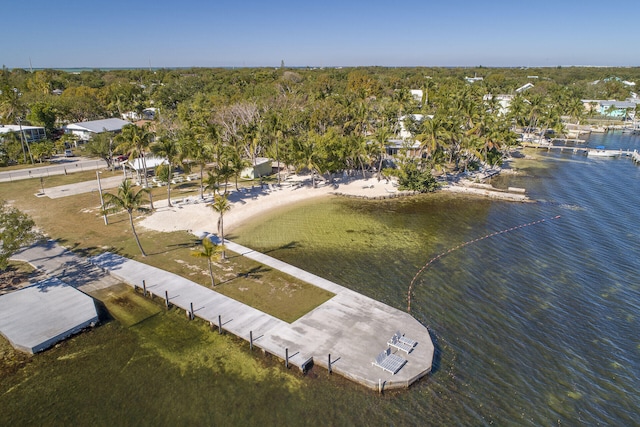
(537, 325)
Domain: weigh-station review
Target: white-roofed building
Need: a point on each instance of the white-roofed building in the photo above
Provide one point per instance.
(84, 130)
(261, 167)
(524, 87)
(417, 94)
(405, 133)
(30, 133)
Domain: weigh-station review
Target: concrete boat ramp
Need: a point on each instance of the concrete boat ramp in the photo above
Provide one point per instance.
(344, 335)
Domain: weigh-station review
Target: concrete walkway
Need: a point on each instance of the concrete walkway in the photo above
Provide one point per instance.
(67, 267)
(352, 328)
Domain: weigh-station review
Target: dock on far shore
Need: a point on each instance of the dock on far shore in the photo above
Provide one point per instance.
(343, 335)
(597, 152)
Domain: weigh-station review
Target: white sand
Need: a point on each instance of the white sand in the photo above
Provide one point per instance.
(195, 215)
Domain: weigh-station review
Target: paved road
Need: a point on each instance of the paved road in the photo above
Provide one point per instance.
(62, 165)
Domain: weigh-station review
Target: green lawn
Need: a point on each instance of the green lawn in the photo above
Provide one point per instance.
(76, 222)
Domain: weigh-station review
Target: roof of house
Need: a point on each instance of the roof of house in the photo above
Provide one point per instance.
(98, 126)
(151, 162)
(618, 104)
(400, 143)
(524, 87)
(16, 128)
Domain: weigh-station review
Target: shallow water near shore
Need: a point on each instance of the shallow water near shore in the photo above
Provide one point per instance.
(536, 325)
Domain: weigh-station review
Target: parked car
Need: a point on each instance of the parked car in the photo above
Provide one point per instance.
(68, 153)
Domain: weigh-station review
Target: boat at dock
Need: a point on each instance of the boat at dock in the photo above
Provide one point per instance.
(600, 151)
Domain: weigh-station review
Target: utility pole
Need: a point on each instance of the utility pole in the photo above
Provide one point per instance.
(104, 214)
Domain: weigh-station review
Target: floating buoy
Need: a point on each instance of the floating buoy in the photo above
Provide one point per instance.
(432, 260)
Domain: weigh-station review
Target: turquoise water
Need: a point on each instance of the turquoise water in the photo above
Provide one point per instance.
(536, 325)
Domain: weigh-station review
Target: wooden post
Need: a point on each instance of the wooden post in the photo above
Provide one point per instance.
(219, 324)
(379, 385)
(250, 340)
(329, 364)
(191, 314)
(144, 288)
(286, 358)
(166, 298)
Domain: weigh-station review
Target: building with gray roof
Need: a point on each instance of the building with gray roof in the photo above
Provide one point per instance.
(85, 130)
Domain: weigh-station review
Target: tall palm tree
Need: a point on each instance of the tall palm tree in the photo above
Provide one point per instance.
(198, 152)
(221, 205)
(127, 199)
(135, 140)
(382, 136)
(167, 147)
(210, 250)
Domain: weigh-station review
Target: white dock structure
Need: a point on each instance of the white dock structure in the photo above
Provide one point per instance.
(595, 152)
(343, 335)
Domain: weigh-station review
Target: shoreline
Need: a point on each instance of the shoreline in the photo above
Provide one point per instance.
(194, 215)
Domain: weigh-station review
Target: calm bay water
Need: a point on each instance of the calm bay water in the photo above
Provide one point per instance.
(535, 325)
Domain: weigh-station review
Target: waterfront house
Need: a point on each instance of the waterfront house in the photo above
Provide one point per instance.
(617, 109)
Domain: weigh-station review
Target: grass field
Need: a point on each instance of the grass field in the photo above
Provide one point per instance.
(76, 223)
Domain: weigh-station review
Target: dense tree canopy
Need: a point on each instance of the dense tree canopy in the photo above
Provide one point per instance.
(325, 121)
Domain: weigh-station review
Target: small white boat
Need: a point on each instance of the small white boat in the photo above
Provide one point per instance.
(600, 151)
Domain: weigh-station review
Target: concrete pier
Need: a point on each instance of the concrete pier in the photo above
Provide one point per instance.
(352, 328)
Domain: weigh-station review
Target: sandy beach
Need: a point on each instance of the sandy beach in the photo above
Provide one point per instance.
(195, 215)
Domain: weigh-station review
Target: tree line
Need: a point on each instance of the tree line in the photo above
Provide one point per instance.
(325, 121)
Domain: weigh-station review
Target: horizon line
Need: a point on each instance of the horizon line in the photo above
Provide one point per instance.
(107, 68)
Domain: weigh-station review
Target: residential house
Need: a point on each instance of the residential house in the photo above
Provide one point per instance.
(524, 87)
(404, 133)
(85, 130)
(29, 133)
(618, 109)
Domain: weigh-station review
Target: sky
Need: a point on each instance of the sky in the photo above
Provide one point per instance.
(214, 33)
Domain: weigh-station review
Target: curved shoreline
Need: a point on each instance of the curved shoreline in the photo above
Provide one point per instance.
(193, 214)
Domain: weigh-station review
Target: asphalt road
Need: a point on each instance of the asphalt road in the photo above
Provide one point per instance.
(59, 166)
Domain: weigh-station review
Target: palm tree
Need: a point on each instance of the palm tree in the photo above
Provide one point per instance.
(135, 140)
(129, 200)
(221, 205)
(210, 250)
(199, 153)
(167, 147)
(382, 136)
